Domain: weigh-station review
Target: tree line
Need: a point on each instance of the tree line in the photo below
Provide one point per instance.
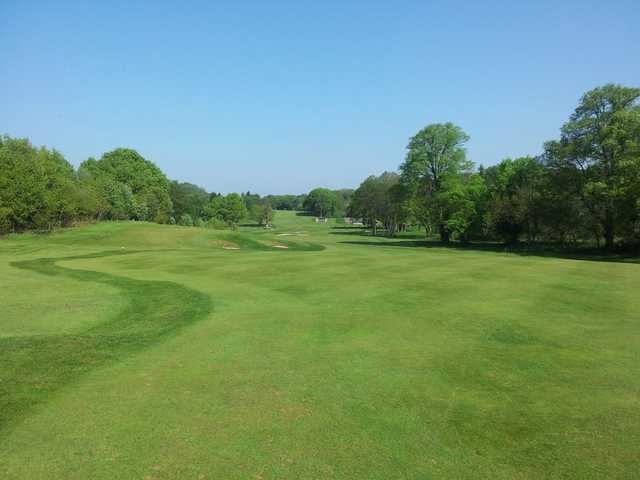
(40, 190)
(584, 187)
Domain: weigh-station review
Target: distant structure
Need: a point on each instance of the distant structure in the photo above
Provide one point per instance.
(321, 219)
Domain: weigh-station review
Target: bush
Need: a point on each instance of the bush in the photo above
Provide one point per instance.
(186, 220)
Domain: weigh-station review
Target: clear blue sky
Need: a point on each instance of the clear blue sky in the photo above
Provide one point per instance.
(282, 96)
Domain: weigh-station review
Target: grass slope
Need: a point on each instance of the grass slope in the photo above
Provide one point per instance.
(341, 356)
(34, 367)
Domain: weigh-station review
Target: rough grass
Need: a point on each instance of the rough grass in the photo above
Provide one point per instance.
(34, 367)
(324, 360)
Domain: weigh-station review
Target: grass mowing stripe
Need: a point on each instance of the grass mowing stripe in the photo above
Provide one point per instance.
(32, 368)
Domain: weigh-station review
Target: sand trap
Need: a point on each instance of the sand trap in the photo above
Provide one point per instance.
(285, 234)
(279, 246)
(226, 247)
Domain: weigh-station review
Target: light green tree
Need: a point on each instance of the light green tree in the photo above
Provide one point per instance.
(433, 169)
(320, 202)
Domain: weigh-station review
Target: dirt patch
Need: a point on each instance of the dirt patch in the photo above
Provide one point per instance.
(224, 244)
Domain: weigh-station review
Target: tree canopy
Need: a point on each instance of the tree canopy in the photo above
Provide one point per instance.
(133, 187)
(320, 202)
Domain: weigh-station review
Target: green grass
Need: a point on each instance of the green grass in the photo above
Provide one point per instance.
(133, 350)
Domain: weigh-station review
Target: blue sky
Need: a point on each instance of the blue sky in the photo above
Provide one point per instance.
(283, 96)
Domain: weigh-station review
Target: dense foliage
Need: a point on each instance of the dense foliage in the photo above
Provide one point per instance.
(130, 186)
(38, 188)
(188, 199)
(585, 187)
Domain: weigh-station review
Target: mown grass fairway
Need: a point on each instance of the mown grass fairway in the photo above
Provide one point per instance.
(135, 350)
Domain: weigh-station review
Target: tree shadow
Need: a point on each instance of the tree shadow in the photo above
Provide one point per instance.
(525, 250)
(366, 233)
(349, 231)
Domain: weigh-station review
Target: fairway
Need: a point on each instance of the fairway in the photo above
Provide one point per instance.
(132, 350)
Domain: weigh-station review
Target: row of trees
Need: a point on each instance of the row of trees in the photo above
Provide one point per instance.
(584, 187)
(40, 190)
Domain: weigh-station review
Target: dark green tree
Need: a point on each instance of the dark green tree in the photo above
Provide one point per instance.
(188, 198)
(600, 146)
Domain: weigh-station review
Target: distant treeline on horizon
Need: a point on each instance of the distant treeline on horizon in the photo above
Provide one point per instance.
(584, 188)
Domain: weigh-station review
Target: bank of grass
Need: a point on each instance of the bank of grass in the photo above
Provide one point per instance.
(333, 358)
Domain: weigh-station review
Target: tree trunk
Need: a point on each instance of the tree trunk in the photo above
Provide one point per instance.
(608, 236)
(444, 234)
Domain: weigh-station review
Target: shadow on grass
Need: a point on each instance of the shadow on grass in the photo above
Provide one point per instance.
(538, 250)
(32, 368)
(349, 231)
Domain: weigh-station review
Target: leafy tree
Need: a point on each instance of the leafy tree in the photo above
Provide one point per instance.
(134, 187)
(343, 197)
(463, 197)
(38, 187)
(265, 214)
(188, 198)
(320, 202)
(379, 199)
(262, 213)
(435, 162)
(251, 199)
(229, 209)
(600, 146)
(186, 220)
(515, 188)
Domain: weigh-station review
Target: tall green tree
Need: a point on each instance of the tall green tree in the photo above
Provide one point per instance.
(265, 214)
(380, 199)
(600, 146)
(134, 187)
(38, 187)
(515, 187)
(320, 202)
(435, 163)
(230, 209)
(343, 197)
(188, 198)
